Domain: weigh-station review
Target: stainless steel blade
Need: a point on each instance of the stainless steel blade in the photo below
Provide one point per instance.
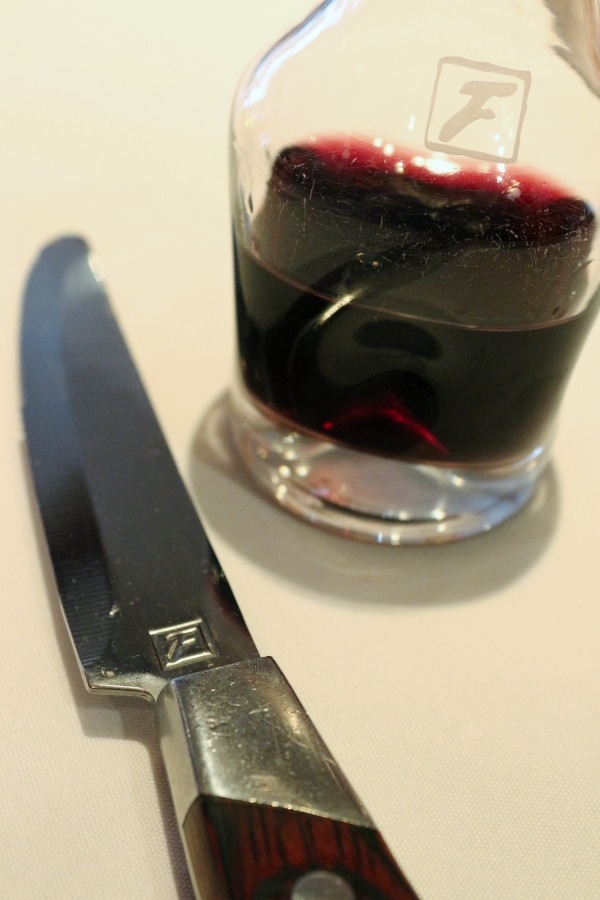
(142, 592)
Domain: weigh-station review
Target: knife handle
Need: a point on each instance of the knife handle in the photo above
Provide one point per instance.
(264, 811)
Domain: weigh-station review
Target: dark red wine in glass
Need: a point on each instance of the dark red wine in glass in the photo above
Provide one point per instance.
(412, 308)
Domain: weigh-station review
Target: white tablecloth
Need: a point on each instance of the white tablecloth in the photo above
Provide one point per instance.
(459, 687)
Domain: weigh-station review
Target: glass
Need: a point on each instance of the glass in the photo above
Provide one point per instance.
(414, 196)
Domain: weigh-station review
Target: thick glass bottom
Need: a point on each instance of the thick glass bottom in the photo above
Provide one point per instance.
(376, 499)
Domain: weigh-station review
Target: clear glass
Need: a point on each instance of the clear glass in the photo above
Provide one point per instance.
(414, 197)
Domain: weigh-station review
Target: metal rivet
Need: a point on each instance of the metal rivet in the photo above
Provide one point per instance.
(322, 886)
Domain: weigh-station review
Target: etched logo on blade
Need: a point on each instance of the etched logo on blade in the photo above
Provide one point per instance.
(477, 110)
(181, 645)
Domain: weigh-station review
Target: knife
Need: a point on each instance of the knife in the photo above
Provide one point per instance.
(264, 811)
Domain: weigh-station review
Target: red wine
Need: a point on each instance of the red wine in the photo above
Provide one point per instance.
(412, 309)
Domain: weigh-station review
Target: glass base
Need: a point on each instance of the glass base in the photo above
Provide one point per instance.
(376, 499)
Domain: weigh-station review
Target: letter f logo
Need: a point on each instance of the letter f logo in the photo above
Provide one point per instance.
(488, 125)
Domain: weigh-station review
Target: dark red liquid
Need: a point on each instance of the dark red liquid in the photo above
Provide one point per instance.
(423, 315)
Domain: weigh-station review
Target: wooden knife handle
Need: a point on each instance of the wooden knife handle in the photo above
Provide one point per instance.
(265, 812)
(262, 852)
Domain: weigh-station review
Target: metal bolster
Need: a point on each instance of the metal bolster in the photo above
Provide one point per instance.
(239, 732)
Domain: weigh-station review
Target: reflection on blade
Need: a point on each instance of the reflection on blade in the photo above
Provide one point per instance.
(142, 592)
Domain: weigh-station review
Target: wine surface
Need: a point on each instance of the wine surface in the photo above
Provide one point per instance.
(411, 308)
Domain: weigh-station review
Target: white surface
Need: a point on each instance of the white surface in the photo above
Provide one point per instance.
(459, 687)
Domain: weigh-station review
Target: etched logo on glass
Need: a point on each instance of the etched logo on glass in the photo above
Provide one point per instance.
(477, 110)
(181, 645)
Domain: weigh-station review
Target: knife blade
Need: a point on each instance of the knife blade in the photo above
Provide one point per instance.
(264, 811)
